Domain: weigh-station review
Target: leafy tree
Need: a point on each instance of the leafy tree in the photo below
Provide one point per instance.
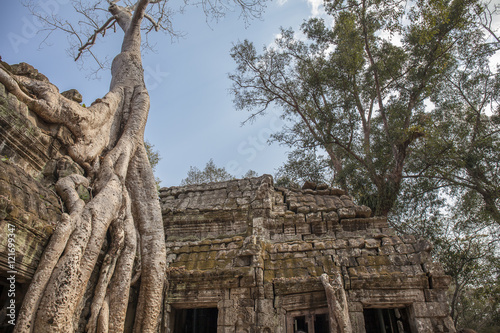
(302, 166)
(462, 146)
(153, 155)
(250, 174)
(358, 90)
(465, 241)
(211, 173)
(468, 254)
(109, 146)
(153, 158)
(479, 307)
(405, 104)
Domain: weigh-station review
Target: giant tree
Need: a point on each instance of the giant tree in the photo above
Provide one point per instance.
(211, 173)
(462, 146)
(358, 89)
(124, 210)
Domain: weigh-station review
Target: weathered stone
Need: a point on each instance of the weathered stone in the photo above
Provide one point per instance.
(430, 309)
(346, 213)
(24, 69)
(423, 245)
(363, 211)
(337, 192)
(73, 95)
(356, 242)
(372, 243)
(309, 186)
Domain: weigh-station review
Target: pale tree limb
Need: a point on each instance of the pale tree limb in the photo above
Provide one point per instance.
(109, 145)
(122, 15)
(119, 287)
(337, 304)
(88, 125)
(103, 322)
(107, 270)
(147, 214)
(72, 272)
(51, 106)
(92, 39)
(66, 188)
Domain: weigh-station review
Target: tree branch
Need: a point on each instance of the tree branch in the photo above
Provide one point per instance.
(92, 39)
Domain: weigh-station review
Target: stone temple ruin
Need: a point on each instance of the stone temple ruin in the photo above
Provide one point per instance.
(252, 255)
(243, 255)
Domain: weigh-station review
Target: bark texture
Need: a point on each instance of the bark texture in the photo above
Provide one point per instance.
(123, 217)
(337, 304)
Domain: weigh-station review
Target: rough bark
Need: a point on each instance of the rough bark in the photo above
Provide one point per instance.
(125, 207)
(337, 304)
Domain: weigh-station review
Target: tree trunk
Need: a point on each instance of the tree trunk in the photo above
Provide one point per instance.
(125, 208)
(337, 304)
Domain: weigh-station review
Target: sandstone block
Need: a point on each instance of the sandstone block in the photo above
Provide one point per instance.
(371, 243)
(430, 309)
(356, 242)
(346, 213)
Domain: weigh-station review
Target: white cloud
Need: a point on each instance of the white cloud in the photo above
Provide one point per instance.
(316, 7)
(282, 2)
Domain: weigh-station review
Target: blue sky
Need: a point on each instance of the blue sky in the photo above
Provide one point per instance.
(192, 117)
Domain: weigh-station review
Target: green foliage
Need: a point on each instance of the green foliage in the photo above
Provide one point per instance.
(358, 90)
(153, 155)
(211, 173)
(250, 174)
(154, 158)
(83, 193)
(466, 242)
(479, 307)
(400, 106)
(462, 146)
(302, 166)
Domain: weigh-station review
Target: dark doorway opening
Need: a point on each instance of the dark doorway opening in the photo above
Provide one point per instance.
(321, 324)
(300, 324)
(386, 320)
(201, 320)
(308, 321)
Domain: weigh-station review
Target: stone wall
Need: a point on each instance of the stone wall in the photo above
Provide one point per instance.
(256, 252)
(32, 155)
(31, 211)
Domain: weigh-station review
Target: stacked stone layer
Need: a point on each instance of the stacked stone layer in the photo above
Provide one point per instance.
(256, 252)
(29, 212)
(29, 208)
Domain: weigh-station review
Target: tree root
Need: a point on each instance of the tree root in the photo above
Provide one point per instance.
(107, 270)
(66, 187)
(337, 305)
(147, 214)
(109, 146)
(103, 322)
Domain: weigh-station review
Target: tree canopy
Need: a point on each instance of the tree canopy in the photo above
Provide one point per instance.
(359, 90)
(211, 173)
(398, 104)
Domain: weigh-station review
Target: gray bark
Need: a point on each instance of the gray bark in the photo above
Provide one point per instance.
(337, 304)
(109, 146)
